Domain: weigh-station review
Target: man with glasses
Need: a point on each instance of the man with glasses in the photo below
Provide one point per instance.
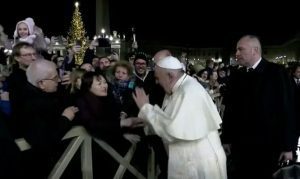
(145, 79)
(45, 119)
(23, 54)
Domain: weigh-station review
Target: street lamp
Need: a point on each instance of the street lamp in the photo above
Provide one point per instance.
(103, 32)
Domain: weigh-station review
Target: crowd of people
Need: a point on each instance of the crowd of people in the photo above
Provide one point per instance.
(173, 109)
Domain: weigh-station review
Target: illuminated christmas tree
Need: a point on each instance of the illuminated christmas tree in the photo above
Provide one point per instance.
(76, 35)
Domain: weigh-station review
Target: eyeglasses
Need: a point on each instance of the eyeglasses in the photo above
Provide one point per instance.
(28, 54)
(55, 79)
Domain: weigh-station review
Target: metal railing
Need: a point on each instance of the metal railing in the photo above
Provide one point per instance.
(81, 139)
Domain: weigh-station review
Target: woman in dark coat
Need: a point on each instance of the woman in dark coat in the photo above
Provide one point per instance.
(100, 116)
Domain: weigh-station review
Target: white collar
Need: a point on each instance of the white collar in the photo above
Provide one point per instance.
(256, 64)
(179, 82)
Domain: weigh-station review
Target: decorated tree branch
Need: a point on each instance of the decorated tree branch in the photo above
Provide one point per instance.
(77, 35)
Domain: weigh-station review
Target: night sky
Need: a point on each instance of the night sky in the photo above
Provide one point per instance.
(194, 24)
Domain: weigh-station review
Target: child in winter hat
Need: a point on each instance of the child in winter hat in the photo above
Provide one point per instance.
(30, 36)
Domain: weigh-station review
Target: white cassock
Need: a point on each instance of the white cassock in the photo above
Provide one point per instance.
(188, 122)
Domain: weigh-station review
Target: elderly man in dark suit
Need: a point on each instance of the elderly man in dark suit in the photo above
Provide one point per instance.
(259, 120)
(45, 120)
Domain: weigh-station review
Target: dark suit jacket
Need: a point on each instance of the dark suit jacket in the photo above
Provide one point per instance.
(259, 114)
(297, 97)
(43, 127)
(155, 91)
(16, 88)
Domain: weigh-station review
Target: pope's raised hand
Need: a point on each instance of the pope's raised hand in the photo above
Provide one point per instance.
(140, 97)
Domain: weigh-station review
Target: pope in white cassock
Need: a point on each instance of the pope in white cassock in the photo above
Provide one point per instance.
(188, 122)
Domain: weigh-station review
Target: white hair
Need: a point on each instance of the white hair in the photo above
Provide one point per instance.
(39, 70)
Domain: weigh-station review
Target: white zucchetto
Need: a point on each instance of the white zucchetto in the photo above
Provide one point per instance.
(169, 62)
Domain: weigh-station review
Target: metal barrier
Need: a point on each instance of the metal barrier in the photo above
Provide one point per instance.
(82, 139)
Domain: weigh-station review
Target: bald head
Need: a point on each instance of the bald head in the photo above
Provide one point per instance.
(161, 54)
(248, 50)
(39, 70)
(253, 41)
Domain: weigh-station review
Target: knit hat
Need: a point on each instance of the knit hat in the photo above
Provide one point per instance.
(140, 56)
(30, 21)
(30, 24)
